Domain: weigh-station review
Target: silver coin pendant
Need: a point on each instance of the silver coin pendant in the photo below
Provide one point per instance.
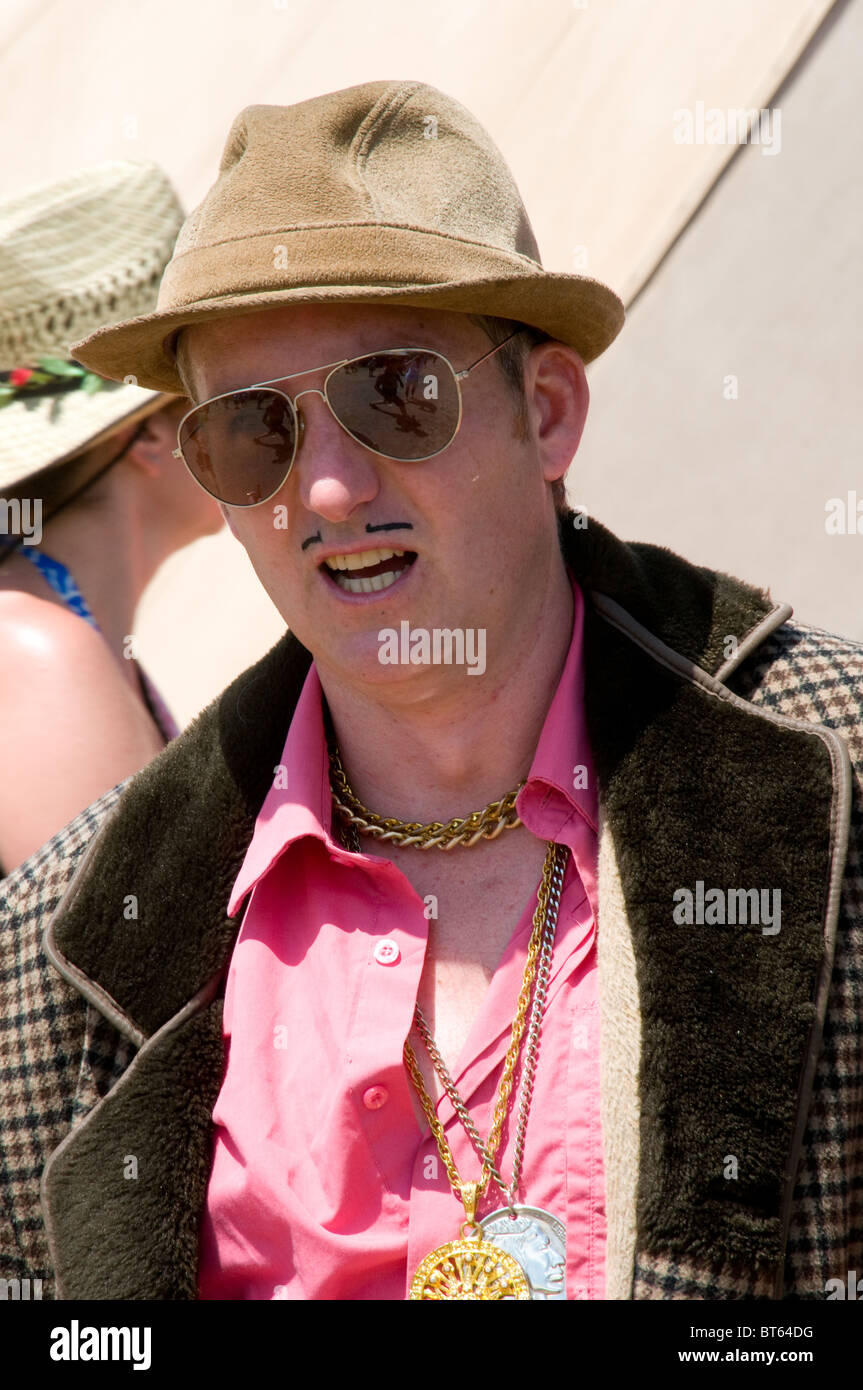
(538, 1241)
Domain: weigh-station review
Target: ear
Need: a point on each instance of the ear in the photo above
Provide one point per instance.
(558, 397)
(153, 443)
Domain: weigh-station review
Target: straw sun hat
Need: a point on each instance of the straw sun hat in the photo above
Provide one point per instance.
(74, 255)
(384, 193)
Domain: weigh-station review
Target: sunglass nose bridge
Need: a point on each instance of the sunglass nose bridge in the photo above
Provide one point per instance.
(311, 391)
(301, 424)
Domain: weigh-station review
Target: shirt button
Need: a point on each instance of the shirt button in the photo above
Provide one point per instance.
(387, 951)
(375, 1097)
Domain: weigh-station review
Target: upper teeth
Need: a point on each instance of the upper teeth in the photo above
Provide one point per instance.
(359, 561)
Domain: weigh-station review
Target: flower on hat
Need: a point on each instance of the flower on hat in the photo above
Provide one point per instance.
(50, 376)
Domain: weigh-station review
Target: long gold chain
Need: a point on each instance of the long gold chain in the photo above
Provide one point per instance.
(488, 1151)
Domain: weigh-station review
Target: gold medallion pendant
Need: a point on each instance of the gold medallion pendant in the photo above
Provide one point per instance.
(469, 1271)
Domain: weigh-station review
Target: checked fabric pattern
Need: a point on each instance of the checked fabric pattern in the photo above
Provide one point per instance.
(807, 674)
(58, 1055)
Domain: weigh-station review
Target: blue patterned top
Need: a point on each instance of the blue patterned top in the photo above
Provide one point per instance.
(61, 582)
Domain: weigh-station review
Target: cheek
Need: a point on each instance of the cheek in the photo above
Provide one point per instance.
(265, 545)
(502, 491)
(497, 461)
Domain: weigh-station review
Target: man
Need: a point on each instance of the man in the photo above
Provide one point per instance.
(546, 980)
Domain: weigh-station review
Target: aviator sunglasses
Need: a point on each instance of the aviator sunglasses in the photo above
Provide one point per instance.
(403, 403)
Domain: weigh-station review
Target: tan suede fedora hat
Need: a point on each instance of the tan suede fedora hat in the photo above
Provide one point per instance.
(384, 193)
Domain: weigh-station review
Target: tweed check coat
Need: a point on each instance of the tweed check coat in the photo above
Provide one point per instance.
(728, 743)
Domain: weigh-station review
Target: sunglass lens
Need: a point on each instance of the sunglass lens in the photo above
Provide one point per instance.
(240, 447)
(402, 404)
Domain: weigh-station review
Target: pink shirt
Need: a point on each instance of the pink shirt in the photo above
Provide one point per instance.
(322, 1185)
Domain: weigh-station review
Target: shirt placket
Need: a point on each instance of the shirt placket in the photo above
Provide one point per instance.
(378, 1084)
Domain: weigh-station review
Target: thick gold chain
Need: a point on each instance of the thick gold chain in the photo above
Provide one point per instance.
(486, 824)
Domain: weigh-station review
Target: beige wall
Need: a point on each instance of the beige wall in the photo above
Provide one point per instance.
(765, 286)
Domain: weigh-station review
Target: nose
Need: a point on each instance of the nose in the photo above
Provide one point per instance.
(335, 474)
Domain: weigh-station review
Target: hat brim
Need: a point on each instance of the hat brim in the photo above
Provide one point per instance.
(574, 309)
(44, 432)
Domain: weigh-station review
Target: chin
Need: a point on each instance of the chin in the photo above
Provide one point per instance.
(356, 662)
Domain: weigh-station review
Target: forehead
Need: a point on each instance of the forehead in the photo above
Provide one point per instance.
(225, 353)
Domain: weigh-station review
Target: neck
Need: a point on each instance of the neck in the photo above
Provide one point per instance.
(112, 557)
(443, 748)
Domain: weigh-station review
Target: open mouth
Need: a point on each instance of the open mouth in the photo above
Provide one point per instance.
(369, 570)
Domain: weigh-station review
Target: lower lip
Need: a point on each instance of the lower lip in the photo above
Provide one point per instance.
(377, 595)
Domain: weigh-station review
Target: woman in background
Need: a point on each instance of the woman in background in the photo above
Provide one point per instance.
(91, 499)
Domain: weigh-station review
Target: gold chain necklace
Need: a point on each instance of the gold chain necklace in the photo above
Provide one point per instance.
(453, 1268)
(472, 1268)
(486, 824)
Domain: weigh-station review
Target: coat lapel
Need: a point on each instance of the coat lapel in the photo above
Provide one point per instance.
(705, 1028)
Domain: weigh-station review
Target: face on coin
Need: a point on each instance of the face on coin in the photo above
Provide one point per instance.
(537, 1241)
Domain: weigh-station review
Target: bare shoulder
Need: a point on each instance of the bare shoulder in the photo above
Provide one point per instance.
(71, 726)
(52, 656)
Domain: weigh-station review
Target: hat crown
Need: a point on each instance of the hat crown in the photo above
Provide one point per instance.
(82, 252)
(387, 194)
(395, 154)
